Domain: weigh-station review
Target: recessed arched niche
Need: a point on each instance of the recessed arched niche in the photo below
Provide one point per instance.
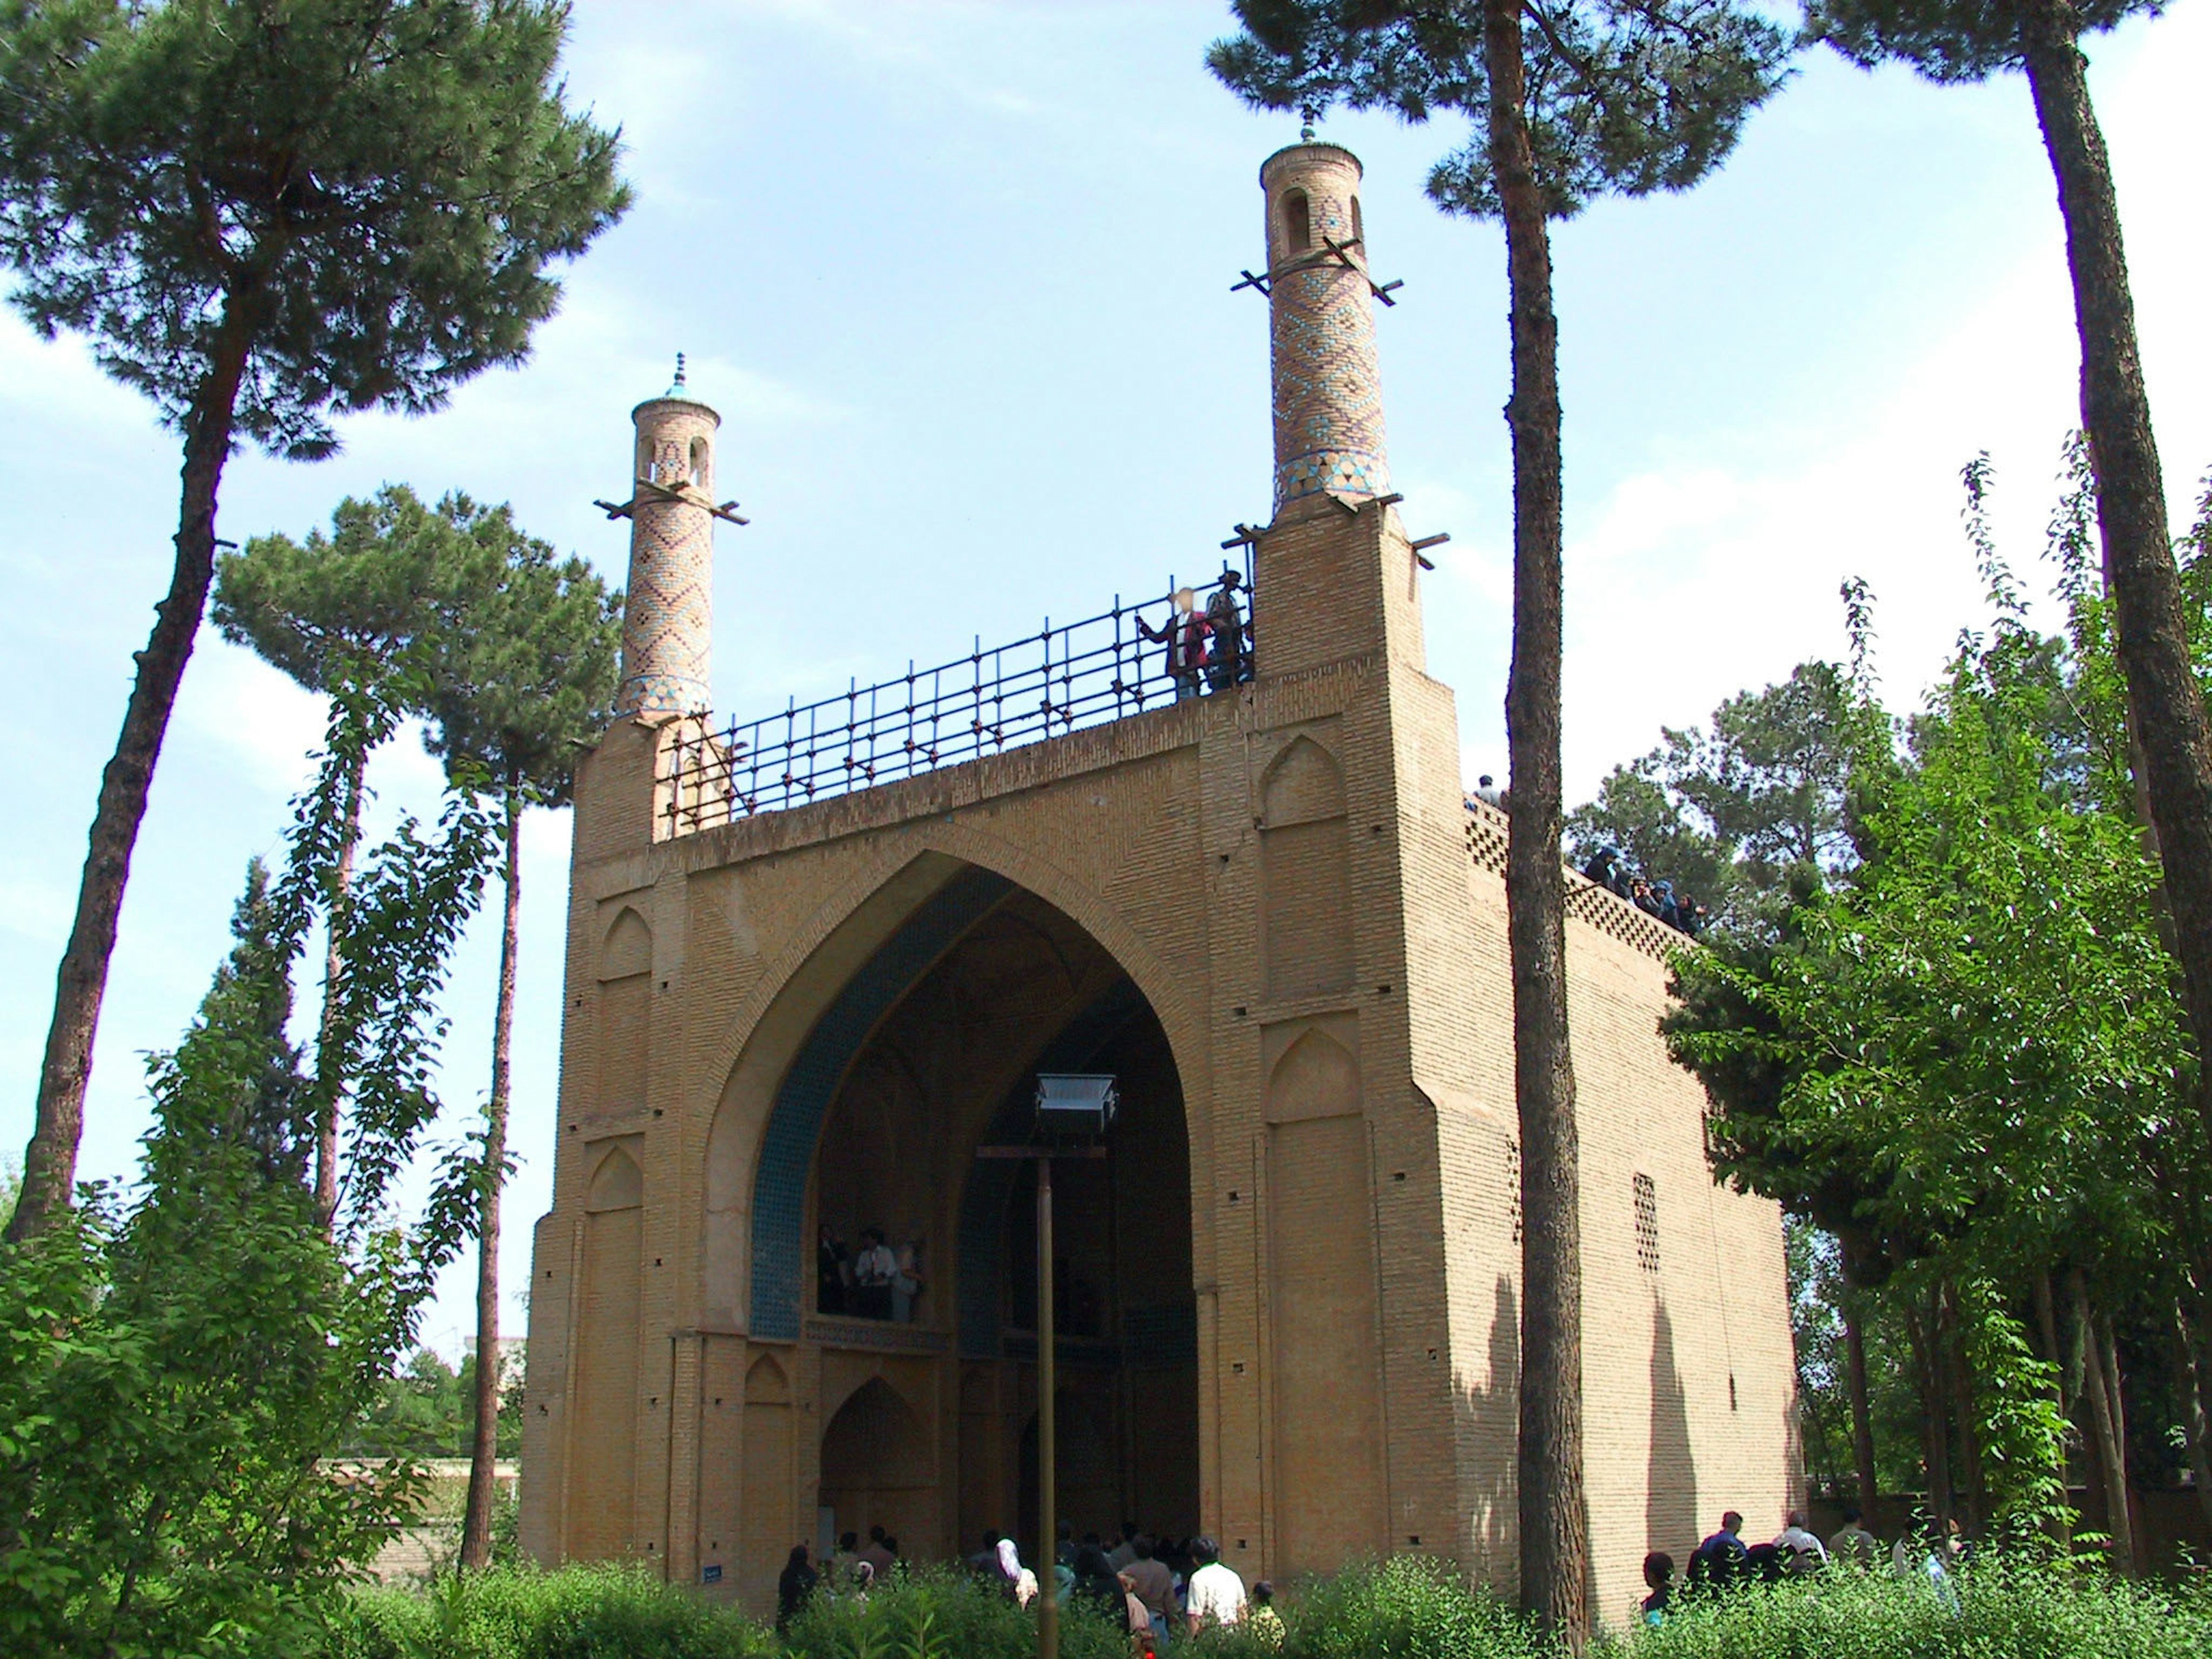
(1305, 873)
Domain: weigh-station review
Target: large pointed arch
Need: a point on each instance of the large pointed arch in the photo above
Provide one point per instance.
(800, 1027)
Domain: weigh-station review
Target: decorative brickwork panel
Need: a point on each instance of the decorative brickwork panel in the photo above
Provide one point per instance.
(1328, 389)
(668, 609)
(1647, 1223)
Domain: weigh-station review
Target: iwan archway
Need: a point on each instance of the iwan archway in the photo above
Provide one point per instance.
(916, 1398)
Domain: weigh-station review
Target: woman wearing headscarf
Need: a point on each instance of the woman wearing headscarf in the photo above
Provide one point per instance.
(1021, 1583)
(1095, 1578)
(793, 1586)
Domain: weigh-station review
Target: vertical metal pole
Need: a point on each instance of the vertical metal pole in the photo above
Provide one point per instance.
(1048, 1523)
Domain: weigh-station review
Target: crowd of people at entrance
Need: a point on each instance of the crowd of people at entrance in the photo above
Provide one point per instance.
(1157, 1590)
(1209, 649)
(878, 1280)
(1723, 1562)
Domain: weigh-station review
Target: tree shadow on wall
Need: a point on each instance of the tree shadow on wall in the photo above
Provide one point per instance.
(1489, 1433)
(1670, 1485)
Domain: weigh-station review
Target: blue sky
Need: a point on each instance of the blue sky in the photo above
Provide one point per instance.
(957, 275)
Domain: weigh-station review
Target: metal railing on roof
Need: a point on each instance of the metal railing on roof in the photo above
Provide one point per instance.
(1058, 680)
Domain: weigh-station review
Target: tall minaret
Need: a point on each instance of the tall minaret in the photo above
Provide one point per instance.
(1327, 397)
(668, 613)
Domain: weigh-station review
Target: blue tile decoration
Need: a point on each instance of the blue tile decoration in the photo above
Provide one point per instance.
(781, 1255)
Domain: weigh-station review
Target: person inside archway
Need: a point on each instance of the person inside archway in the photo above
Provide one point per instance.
(874, 1270)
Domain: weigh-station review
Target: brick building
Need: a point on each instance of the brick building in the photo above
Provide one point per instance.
(814, 963)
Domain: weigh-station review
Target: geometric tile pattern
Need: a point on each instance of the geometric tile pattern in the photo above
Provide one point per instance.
(787, 1157)
(668, 612)
(1326, 391)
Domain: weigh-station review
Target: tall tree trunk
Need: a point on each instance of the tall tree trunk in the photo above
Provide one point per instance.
(1960, 1375)
(1553, 1509)
(1935, 1444)
(484, 1449)
(2047, 1322)
(50, 1159)
(328, 1084)
(2196, 1407)
(1855, 1383)
(2167, 715)
(2107, 1434)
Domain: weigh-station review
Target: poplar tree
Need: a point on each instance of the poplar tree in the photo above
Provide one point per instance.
(2169, 729)
(522, 677)
(341, 614)
(263, 214)
(1573, 99)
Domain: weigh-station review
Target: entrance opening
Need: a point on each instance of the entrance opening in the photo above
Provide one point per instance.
(876, 1466)
(925, 1255)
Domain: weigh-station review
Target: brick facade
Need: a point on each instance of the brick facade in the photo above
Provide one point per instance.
(1281, 885)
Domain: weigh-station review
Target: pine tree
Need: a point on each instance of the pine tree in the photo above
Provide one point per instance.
(1575, 98)
(524, 679)
(262, 217)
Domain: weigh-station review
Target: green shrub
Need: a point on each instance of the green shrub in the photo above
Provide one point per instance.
(518, 1613)
(2005, 1611)
(1406, 1607)
(942, 1612)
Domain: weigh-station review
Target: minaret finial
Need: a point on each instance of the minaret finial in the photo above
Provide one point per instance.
(679, 369)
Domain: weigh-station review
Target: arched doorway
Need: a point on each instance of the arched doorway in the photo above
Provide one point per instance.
(949, 1064)
(877, 1469)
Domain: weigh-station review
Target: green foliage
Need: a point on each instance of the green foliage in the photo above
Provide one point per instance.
(1409, 1608)
(345, 610)
(176, 1366)
(1405, 1608)
(428, 1409)
(525, 664)
(1621, 99)
(172, 1371)
(941, 1613)
(367, 193)
(2013, 1610)
(1966, 1056)
(577, 1613)
(1946, 41)
(395, 929)
(1734, 811)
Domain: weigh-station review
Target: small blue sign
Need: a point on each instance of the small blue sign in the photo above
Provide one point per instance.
(711, 1573)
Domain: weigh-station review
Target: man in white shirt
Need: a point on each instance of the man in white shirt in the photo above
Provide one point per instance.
(1216, 1594)
(1806, 1552)
(873, 1270)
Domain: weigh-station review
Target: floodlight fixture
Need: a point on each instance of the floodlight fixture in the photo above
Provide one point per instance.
(1075, 1105)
